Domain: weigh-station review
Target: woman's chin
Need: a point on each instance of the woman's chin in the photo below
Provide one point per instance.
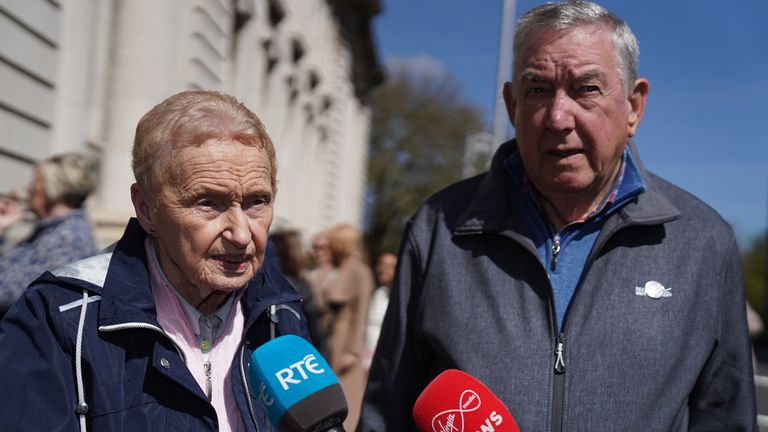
(229, 282)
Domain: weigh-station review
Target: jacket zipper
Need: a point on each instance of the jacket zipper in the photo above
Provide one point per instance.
(555, 252)
(144, 326)
(273, 321)
(244, 380)
(558, 385)
(559, 350)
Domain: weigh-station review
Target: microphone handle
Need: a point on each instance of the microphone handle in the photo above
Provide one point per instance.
(338, 428)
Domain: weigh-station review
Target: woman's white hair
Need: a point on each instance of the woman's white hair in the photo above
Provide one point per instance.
(571, 14)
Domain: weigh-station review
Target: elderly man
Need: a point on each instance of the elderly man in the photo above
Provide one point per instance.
(155, 335)
(586, 292)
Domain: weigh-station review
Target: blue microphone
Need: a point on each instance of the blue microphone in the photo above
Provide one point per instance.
(297, 387)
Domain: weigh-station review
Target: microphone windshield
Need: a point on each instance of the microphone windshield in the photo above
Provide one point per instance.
(296, 386)
(456, 401)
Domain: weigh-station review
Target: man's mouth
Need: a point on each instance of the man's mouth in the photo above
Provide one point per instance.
(562, 154)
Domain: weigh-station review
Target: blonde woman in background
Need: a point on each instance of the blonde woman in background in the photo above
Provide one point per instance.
(62, 234)
(347, 301)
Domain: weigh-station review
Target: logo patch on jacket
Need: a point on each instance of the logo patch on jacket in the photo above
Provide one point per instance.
(653, 290)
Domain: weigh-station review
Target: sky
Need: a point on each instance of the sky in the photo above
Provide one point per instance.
(705, 126)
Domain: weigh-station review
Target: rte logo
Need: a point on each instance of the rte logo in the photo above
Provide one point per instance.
(307, 364)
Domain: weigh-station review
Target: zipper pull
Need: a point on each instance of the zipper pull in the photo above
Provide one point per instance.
(559, 357)
(555, 251)
(273, 320)
(208, 383)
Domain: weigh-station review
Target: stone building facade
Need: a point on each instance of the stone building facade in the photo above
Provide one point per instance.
(78, 75)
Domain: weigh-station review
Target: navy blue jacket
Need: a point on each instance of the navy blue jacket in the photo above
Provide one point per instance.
(135, 379)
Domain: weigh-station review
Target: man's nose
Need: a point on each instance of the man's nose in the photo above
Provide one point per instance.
(237, 230)
(560, 116)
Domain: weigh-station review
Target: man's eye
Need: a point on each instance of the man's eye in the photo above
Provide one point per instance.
(589, 89)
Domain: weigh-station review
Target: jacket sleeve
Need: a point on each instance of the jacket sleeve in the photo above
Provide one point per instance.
(396, 376)
(724, 395)
(35, 371)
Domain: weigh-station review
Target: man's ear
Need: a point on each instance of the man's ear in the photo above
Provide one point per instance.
(509, 101)
(143, 206)
(636, 100)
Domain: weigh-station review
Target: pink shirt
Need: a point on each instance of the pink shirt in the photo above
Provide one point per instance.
(174, 322)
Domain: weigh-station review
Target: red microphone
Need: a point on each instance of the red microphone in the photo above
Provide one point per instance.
(457, 402)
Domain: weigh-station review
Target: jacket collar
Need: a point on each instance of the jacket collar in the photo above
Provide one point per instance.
(127, 294)
(492, 211)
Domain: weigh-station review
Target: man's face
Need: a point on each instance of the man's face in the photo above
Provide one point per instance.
(571, 113)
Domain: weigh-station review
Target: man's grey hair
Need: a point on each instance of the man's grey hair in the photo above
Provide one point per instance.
(571, 14)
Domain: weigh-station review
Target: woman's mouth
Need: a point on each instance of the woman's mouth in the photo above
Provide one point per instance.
(233, 263)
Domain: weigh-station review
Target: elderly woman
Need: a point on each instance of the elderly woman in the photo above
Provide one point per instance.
(62, 234)
(156, 334)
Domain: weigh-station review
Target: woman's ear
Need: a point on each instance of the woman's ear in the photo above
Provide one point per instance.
(142, 204)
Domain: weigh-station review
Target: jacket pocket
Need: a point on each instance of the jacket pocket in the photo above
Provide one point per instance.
(124, 406)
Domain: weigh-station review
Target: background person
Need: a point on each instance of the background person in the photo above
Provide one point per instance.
(321, 276)
(292, 262)
(323, 272)
(56, 195)
(586, 292)
(385, 274)
(346, 302)
(156, 334)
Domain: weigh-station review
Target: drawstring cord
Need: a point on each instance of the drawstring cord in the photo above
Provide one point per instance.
(82, 407)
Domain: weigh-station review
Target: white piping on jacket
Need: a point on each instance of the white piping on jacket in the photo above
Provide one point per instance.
(82, 407)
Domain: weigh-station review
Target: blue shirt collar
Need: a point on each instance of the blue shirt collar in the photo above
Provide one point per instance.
(628, 184)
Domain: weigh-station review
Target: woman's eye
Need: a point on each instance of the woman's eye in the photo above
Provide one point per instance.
(210, 205)
(256, 204)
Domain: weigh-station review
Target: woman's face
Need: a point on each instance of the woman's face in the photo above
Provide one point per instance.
(212, 215)
(321, 252)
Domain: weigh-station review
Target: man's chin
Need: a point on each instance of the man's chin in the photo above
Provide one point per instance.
(571, 185)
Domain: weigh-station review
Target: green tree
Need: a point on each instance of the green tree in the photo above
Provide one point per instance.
(418, 130)
(754, 263)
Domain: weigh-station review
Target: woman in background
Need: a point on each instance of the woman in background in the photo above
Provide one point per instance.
(293, 264)
(347, 301)
(62, 235)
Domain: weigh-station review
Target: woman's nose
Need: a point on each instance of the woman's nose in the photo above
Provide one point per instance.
(237, 230)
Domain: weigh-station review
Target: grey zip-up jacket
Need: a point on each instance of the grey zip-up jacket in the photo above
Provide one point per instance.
(470, 293)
